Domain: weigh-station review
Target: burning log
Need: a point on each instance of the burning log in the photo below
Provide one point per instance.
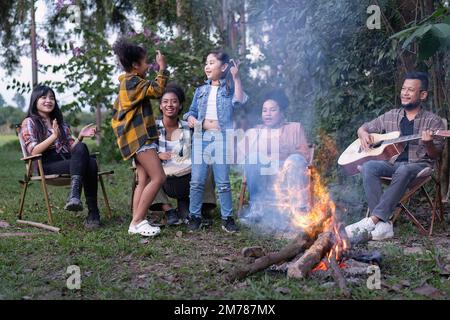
(296, 246)
(312, 256)
(338, 277)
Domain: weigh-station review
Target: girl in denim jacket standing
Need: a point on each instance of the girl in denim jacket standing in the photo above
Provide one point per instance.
(212, 110)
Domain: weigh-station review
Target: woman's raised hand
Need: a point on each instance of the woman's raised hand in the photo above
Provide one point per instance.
(234, 69)
(161, 60)
(88, 131)
(55, 129)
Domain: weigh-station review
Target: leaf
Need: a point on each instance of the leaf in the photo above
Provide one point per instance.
(403, 33)
(428, 46)
(419, 33)
(441, 30)
(4, 224)
(447, 20)
(428, 291)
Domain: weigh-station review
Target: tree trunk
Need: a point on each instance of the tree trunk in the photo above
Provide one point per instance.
(98, 118)
(34, 63)
(242, 29)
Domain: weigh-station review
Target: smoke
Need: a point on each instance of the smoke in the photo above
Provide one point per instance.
(292, 46)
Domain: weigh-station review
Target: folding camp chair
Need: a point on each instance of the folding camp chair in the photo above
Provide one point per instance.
(35, 172)
(243, 193)
(424, 178)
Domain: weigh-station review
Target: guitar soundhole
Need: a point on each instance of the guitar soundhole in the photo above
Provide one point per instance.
(376, 145)
(371, 146)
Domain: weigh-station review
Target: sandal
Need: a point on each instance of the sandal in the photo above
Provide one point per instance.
(144, 229)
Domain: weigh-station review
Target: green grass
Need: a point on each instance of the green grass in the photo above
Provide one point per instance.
(115, 265)
(7, 138)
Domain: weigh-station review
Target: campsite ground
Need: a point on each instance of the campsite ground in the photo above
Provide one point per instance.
(178, 264)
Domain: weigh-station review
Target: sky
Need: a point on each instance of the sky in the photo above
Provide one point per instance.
(23, 74)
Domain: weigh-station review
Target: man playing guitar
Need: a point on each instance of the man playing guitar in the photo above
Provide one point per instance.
(410, 119)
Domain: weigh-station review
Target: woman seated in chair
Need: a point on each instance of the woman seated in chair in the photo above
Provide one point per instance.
(283, 147)
(45, 132)
(175, 153)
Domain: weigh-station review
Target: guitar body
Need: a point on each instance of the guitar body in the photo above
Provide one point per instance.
(354, 156)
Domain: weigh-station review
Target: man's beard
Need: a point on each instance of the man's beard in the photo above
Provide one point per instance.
(411, 106)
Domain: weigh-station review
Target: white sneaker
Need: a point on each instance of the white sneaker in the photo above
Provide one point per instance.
(364, 225)
(382, 231)
(144, 229)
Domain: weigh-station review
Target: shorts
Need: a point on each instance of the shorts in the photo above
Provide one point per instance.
(147, 146)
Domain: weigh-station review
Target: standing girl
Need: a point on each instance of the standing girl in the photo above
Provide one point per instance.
(134, 125)
(212, 109)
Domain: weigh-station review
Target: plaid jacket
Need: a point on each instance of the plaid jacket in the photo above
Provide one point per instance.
(133, 121)
(30, 140)
(424, 120)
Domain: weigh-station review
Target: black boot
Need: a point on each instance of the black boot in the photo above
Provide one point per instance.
(73, 200)
(183, 209)
(93, 218)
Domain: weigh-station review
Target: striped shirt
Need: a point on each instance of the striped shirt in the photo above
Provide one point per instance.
(424, 120)
(133, 121)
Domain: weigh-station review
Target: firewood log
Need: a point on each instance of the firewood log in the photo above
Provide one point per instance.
(297, 245)
(312, 256)
(253, 252)
(339, 278)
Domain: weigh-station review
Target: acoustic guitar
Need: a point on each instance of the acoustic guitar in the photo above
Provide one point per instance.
(384, 147)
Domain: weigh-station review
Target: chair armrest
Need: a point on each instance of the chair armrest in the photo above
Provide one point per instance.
(31, 157)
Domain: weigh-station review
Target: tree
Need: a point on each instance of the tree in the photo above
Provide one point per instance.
(19, 100)
(2, 101)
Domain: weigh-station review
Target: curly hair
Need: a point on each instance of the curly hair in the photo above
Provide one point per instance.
(128, 53)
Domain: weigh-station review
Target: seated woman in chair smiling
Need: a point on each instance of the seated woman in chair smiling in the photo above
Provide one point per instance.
(45, 132)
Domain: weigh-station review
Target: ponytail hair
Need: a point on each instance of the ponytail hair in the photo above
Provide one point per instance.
(224, 58)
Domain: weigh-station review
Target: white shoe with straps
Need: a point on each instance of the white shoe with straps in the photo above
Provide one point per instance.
(144, 229)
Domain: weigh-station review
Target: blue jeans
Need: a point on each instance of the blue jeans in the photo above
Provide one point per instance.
(205, 153)
(382, 204)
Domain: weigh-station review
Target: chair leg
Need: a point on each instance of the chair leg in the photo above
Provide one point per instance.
(44, 189)
(22, 199)
(105, 197)
(396, 214)
(241, 198)
(433, 208)
(439, 205)
(415, 221)
(24, 192)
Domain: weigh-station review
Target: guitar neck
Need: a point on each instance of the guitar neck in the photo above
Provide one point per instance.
(403, 139)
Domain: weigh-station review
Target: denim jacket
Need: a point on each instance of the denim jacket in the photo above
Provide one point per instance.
(226, 104)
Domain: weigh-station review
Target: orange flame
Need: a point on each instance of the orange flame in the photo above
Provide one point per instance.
(320, 217)
(321, 214)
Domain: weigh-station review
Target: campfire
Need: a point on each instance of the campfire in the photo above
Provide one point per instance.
(319, 241)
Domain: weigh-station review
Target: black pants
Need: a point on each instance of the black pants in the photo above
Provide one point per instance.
(178, 187)
(78, 162)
